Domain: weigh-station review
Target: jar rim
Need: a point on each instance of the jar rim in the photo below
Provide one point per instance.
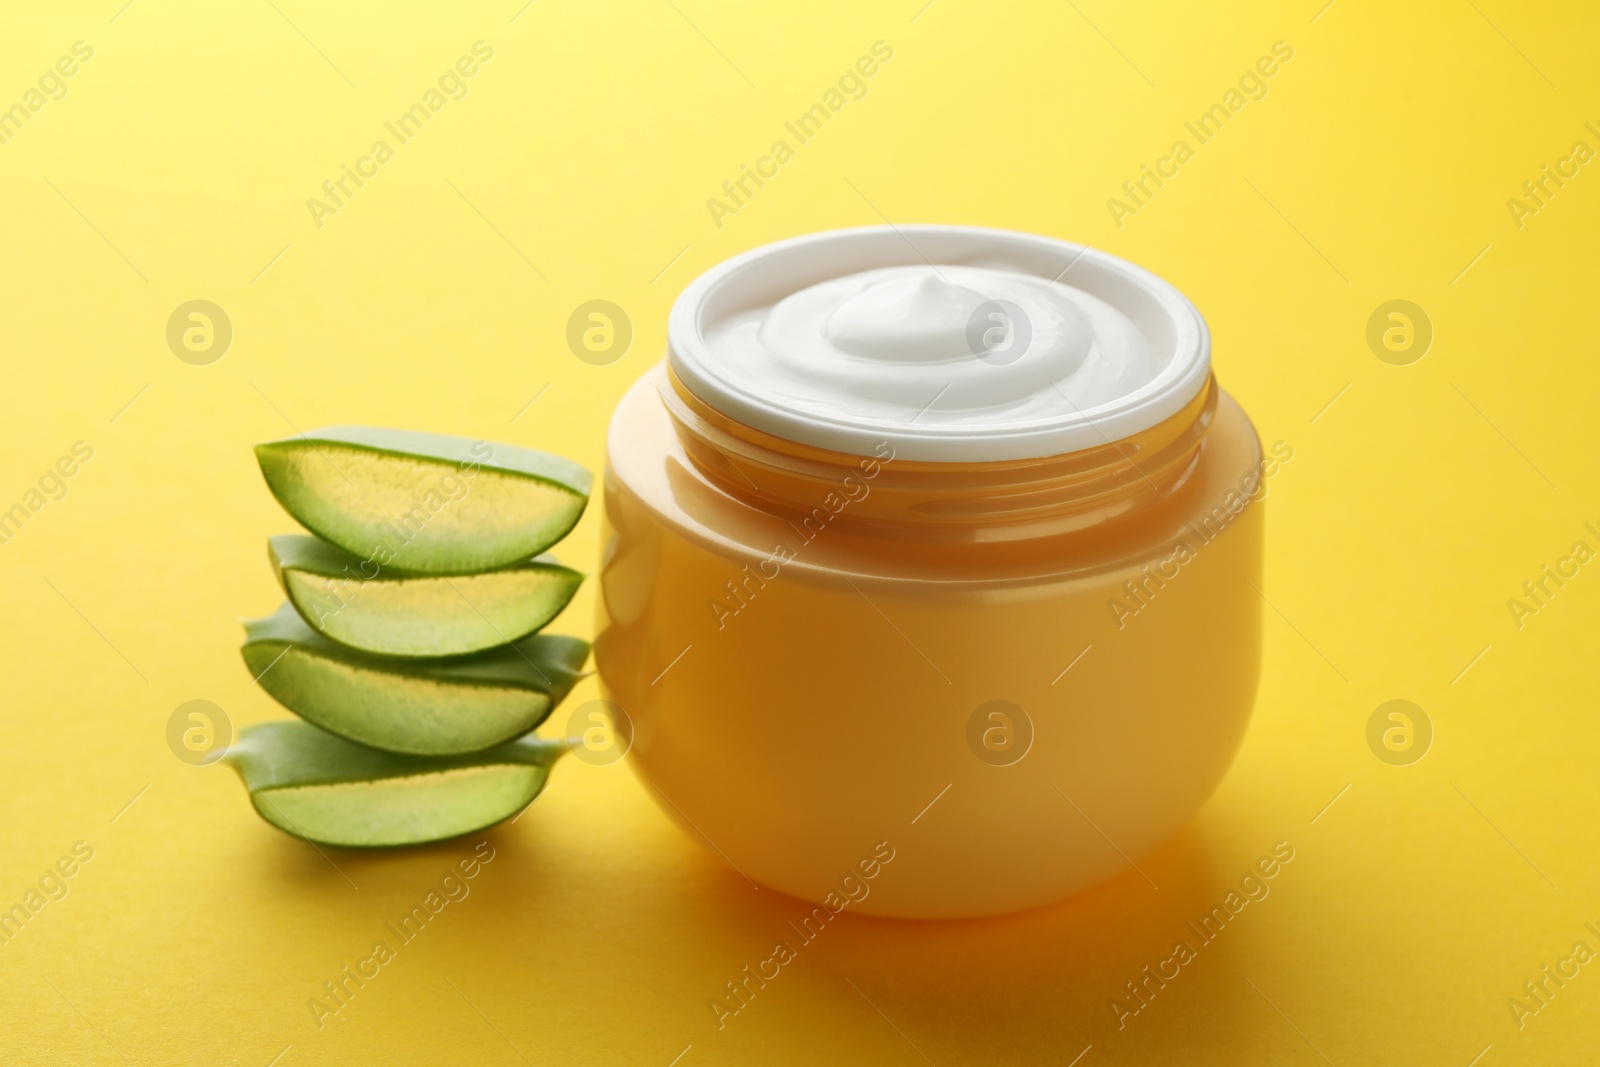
(1171, 324)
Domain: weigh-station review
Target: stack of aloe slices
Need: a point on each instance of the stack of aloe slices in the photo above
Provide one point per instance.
(410, 644)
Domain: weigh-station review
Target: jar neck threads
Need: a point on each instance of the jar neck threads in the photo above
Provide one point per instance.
(990, 501)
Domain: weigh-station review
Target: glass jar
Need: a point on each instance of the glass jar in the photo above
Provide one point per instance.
(932, 687)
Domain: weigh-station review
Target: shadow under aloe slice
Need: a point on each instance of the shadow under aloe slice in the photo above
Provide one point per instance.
(423, 502)
(319, 787)
(398, 614)
(424, 707)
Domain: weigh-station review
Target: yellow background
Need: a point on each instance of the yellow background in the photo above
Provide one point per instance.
(1378, 167)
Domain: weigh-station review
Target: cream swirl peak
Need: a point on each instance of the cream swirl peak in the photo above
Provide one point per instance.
(950, 344)
(939, 345)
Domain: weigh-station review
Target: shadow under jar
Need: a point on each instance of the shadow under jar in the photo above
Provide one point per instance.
(930, 570)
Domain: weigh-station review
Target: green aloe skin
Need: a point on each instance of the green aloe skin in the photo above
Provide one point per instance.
(409, 645)
(425, 503)
(319, 787)
(361, 604)
(423, 707)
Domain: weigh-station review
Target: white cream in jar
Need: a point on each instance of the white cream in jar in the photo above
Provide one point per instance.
(962, 361)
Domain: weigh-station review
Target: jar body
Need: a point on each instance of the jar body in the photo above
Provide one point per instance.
(1011, 723)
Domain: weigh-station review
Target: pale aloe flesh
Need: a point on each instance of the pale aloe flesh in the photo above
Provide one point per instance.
(425, 503)
(376, 609)
(322, 788)
(424, 707)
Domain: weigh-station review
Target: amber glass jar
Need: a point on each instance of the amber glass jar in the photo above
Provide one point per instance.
(1013, 675)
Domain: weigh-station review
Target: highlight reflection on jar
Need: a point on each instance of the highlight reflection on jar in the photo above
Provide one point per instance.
(892, 483)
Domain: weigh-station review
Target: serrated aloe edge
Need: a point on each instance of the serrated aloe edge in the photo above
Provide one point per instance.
(322, 788)
(363, 605)
(409, 645)
(425, 503)
(416, 707)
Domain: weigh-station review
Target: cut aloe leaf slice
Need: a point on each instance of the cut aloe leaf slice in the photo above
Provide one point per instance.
(316, 786)
(372, 608)
(425, 502)
(424, 707)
